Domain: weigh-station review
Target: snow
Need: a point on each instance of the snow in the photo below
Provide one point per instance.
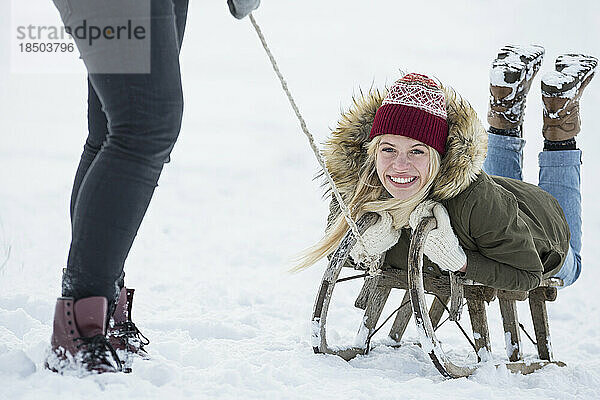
(557, 79)
(575, 68)
(573, 65)
(497, 79)
(510, 346)
(16, 362)
(484, 354)
(237, 202)
(363, 334)
(315, 333)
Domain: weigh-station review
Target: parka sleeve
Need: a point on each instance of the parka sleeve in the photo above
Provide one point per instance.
(506, 256)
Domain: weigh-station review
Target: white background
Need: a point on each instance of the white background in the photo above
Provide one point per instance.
(238, 201)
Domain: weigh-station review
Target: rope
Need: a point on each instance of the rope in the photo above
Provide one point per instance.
(442, 323)
(530, 338)
(368, 344)
(349, 278)
(370, 260)
(457, 323)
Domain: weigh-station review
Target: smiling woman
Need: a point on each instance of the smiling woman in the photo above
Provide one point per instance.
(398, 161)
(419, 150)
(402, 165)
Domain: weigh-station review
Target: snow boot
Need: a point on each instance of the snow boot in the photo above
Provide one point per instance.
(561, 91)
(511, 75)
(123, 334)
(78, 340)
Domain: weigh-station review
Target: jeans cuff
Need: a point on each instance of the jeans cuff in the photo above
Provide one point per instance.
(571, 268)
(559, 158)
(505, 142)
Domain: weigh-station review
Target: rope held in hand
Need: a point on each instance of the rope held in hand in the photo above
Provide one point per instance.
(371, 260)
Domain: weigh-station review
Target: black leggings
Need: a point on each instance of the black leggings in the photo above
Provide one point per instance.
(133, 121)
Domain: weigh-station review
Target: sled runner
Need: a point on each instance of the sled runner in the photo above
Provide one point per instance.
(453, 289)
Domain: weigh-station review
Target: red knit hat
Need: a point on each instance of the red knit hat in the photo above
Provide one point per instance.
(415, 107)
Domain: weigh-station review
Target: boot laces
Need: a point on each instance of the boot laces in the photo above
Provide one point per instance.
(96, 348)
(129, 331)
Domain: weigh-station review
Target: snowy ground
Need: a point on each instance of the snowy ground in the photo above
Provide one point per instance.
(238, 201)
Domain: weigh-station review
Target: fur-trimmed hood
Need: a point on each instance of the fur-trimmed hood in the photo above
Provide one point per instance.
(466, 147)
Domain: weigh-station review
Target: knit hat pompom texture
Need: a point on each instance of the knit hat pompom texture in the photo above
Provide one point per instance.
(415, 106)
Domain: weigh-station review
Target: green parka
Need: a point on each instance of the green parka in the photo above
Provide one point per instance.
(513, 233)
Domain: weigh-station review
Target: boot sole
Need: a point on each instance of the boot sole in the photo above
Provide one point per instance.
(515, 64)
(571, 69)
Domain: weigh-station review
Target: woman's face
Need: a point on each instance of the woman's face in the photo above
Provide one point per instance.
(402, 165)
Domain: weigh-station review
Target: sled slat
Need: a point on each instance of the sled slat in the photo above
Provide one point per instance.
(457, 295)
(512, 335)
(437, 310)
(363, 296)
(516, 295)
(439, 285)
(402, 319)
(539, 315)
(373, 311)
(481, 333)
(530, 367)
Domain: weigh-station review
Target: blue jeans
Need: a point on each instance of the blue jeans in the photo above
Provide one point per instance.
(133, 122)
(559, 175)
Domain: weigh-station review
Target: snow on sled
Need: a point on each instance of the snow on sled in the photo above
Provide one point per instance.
(453, 289)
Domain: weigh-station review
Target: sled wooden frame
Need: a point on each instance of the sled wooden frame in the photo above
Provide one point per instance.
(376, 289)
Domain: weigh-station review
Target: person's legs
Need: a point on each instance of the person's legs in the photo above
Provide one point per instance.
(144, 116)
(181, 9)
(97, 133)
(134, 121)
(561, 160)
(97, 120)
(505, 156)
(511, 75)
(560, 176)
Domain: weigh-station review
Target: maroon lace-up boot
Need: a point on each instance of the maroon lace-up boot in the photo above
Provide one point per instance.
(78, 340)
(123, 333)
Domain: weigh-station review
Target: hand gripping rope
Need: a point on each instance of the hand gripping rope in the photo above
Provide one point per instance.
(371, 260)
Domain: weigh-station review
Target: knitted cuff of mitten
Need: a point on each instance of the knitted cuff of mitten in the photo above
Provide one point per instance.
(448, 255)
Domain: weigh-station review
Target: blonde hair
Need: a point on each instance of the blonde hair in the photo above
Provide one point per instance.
(370, 196)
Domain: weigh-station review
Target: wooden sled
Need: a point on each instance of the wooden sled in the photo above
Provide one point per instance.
(453, 289)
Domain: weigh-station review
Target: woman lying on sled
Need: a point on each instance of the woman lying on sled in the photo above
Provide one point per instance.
(420, 150)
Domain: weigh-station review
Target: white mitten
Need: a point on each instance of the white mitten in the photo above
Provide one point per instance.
(441, 245)
(378, 238)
